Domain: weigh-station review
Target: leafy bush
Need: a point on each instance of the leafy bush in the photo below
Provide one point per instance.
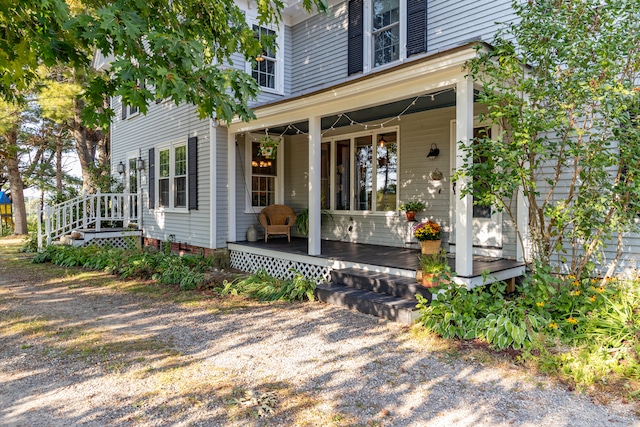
(264, 287)
(480, 313)
(587, 330)
(186, 271)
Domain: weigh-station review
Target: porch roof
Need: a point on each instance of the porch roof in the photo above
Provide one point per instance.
(421, 74)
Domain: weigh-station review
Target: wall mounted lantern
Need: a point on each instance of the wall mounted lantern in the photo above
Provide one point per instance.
(433, 152)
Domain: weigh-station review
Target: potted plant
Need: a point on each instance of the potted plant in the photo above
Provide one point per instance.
(434, 269)
(302, 220)
(410, 209)
(269, 147)
(428, 234)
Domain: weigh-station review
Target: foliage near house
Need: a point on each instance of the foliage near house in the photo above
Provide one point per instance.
(586, 330)
(571, 138)
(263, 287)
(186, 271)
(180, 48)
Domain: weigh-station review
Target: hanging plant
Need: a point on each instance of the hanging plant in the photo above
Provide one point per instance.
(269, 147)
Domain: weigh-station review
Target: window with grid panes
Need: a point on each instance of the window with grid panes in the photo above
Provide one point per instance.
(264, 70)
(263, 178)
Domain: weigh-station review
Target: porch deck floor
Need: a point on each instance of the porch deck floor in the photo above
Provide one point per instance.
(385, 256)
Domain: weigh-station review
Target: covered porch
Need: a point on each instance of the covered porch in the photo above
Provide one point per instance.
(401, 112)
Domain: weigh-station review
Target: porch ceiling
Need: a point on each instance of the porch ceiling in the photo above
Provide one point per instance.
(442, 99)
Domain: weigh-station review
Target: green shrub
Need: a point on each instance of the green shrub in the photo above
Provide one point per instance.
(263, 287)
(186, 271)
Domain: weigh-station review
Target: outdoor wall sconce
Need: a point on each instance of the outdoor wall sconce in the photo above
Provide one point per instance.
(120, 168)
(434, 152)
(140, 163)
(381, 142)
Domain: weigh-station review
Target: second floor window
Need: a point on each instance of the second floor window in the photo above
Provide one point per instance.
(264, 70)
(385, 31)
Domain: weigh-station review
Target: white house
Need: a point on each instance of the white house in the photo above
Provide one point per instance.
(359, 98)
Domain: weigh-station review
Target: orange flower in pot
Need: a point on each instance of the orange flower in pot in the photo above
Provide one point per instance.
(428, 234)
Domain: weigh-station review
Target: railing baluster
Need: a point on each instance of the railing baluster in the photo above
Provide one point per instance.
(98, 211)
(38, 219)
(47, 224)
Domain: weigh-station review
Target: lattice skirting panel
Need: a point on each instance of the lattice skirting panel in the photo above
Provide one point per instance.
(277, 267)
(127, 242)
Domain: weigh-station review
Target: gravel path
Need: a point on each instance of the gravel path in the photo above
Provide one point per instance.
(96, 356)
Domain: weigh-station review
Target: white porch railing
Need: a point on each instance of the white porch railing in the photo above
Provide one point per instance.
(84, 212)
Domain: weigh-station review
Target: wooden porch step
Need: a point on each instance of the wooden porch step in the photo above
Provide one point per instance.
(380, 305)
(382, 283)
(379, 294)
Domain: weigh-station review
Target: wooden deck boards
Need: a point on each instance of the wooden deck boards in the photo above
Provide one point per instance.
(386, 256)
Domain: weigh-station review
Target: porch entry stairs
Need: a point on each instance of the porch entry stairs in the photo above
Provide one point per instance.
(100, 218)
(383, 295)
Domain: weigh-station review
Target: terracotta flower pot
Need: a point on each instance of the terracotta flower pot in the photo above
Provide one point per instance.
(429, 247)
(411, 215)
(429, 280)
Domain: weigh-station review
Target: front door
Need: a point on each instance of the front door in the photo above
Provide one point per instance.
(487, 222)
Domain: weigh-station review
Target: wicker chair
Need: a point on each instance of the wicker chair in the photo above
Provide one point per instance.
(277, 219)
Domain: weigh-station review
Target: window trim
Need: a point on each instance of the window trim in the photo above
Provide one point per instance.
(171, 146)
(279, 61)
(250, 138)
(368, 65)
(332, 172)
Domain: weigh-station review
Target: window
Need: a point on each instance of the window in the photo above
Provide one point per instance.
(130, 110)
(172, 176)
(264, 71)
(365, 171)
(385, 31)
(263, 178)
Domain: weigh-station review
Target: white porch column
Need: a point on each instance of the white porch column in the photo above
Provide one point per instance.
(213, 184)
(522, 220)
(464, 205)
(231, 185)
(315, 147)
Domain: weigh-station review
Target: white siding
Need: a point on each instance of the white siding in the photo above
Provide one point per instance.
(319, 51)
(163, 123)
(451, 23)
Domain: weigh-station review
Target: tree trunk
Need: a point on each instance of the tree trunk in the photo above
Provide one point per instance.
(15, 184)
(93, 147)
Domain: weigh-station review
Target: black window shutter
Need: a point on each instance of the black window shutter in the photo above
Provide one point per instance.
(124, 110)
(192, 171)
(355, 43)
(152, 178)
(416, 26)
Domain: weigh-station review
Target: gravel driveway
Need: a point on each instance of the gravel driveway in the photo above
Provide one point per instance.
(77, 353)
